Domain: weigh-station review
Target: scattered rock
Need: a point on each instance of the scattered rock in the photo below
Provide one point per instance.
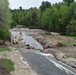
(40, 39)
(54, 33)
(74, 44)
(60, 45)
(70, 61)
(52, 45)
(48, 44)
(60, 55)
(47, 33)
(28, 46)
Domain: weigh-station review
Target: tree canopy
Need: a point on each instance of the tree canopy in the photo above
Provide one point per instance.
(4, 18)
(59, 17)
(68, 1)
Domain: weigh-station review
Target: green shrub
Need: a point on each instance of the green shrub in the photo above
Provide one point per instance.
(8, 64)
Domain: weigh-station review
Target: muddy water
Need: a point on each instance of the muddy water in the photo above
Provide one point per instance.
(28, 39)
(31, 41)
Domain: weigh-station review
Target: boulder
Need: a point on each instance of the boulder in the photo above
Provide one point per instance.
(15, 40)
(40, 39)
(53, 45)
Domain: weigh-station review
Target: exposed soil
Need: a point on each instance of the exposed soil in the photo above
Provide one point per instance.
(52, 44)
(2, 45)
(61, 47)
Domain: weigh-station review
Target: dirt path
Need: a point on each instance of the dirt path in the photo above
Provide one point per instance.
(21, 67)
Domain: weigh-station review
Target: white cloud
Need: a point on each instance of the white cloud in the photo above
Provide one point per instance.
(28, 3)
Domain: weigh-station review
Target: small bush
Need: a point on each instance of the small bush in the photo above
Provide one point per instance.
(8, 64)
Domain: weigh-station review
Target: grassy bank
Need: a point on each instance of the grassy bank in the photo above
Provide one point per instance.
(4, 49)
(73, 37)
(8, 64)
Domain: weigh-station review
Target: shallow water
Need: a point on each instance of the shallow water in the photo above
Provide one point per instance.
(31, 41)
(28, 39)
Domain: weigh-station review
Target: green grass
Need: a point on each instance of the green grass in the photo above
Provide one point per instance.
(4, 49)
(8, 64)
(66, 43)
(73, 37)
(72, 55)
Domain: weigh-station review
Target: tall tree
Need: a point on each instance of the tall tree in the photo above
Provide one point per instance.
(46, 19)
(64, 18)
(73, 10)
(45, 5)
(71, 28)
(20, 8)
(55, 19)
(4, 18)
(58, 17)
(68, 1)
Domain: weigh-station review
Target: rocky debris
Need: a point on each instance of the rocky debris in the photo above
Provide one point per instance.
(40, 39)
(70, 61)
(74, 44)
(22, 45)
(57, 55)
(61, 56)
(53, 45)
(15, 39)
(48, 44)
(21, 66)
(29, 47)
(54, 33)
(47, 33)
(60, 45)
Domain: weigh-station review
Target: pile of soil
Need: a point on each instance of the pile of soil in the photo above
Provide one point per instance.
(3, 70)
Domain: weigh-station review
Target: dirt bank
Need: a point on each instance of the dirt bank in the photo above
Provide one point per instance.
(21, 67)
(61, 47)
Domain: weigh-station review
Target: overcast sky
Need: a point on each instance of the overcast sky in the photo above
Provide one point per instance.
(14, 4)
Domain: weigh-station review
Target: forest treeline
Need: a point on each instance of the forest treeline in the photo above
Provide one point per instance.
(59, 17)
